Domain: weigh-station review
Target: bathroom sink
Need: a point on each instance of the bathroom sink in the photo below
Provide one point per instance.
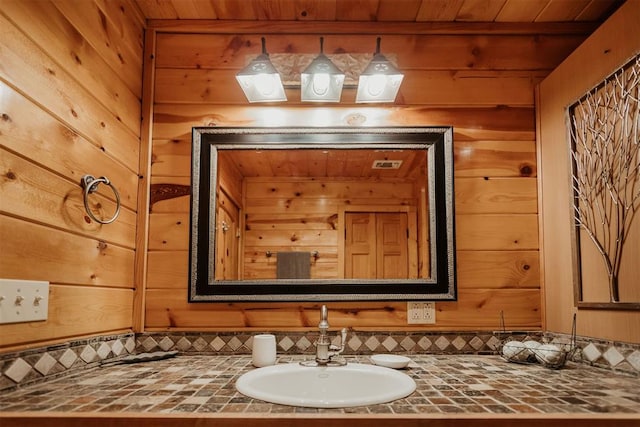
(325, 386)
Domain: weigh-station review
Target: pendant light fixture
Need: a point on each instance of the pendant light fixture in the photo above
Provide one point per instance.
(380, 81)
(321, 81)
(260, 81)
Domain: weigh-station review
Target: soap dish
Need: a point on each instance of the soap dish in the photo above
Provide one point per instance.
(394, 361)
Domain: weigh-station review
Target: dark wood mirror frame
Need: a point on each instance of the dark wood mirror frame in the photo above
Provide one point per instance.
(206, 144)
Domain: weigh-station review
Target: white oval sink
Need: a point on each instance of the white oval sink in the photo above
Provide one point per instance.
(325, 386)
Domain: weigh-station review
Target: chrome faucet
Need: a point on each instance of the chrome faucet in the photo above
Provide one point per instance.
(325, 351)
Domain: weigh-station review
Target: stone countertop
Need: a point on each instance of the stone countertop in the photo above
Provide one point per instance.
(446, 384)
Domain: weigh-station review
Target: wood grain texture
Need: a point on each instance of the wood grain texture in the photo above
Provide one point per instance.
(609, 48)
(58, 148)
(75, 311)
(481, 158)
(174, 121)
(439, 52)
(70, 106)
(459, 88)
(119, 42)
(476, 309)
(28, 68)
(495, 195)
(496, 232)
(378, 10)
(62, 257)
(47, 26)
(495, 166)
(33, 193)
(498, 269)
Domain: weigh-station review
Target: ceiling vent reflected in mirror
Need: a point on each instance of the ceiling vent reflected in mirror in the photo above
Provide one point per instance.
(386, 164)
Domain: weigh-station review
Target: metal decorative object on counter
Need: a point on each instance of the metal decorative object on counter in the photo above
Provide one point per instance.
(90, 185)
(549, 355)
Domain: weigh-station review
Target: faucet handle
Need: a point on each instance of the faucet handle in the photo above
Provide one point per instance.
(343, 336)
(343, 342)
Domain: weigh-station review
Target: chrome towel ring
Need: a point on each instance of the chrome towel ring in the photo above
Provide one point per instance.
(90, 185)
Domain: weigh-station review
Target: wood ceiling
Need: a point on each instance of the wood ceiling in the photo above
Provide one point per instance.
(344, 163)
(507, 11)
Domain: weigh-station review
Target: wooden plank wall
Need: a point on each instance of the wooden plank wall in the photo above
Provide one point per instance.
(70, 99)
(610, 47)
(302, 215)
(481, 85)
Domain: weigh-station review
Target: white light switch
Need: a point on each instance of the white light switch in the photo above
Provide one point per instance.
(23, 300)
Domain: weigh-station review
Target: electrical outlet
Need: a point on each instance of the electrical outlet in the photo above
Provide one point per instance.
(421, 312)
(23, 300)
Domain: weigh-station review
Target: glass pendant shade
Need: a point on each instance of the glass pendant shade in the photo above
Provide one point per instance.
(321, 81)
(260, 81)
(380, 81)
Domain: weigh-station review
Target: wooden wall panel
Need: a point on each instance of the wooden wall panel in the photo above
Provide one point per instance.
(57, 147)
(435, 52)
(169, 231)
(33, 192)
(29, 68)
(476, 309)
(494, 158)
(606, 50)
(472, 82)
(463, 88)
(46, 25)
(484, 126)
(285, 214)
(498, 269)
(497, 232)
(495, 195)
(171, 157)
(38, 252)
(75, 311)
(112, 33)
(70, 106)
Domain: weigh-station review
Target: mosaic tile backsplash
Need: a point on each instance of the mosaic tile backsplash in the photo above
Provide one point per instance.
(41, 364)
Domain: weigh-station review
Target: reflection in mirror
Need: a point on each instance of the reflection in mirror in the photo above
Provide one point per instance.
(322, 214)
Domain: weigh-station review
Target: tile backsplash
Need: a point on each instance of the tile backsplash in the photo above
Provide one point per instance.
(40, 364)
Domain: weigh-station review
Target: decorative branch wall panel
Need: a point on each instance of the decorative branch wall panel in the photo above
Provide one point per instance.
(70, 79)
(605, 51)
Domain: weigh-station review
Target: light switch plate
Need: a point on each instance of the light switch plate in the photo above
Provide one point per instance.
(23, 300)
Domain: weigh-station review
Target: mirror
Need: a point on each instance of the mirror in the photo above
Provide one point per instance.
(322, 214)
